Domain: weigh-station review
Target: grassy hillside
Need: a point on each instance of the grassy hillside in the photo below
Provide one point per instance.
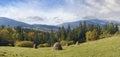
(108, 47)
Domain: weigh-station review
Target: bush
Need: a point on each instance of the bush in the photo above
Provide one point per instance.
(40, 45)
(70, 42)
(92, 35)
(43, 45)
(24, 44)
(63, 43)
(46, 45)
(105, 34)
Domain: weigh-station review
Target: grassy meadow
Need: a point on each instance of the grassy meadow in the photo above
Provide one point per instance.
(108, 47)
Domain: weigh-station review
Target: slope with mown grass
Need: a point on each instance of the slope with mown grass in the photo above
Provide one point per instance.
(108, 47)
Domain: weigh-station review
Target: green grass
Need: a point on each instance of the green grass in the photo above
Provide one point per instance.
(108, 47)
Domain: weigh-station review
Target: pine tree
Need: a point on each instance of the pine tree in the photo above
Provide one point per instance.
(63, 33)
(116, 28)
(52, 39)
(20, 31)
(69, 33)
(36, 39)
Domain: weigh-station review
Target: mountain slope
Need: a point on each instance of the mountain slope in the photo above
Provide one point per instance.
(108, 47)
(89, 21)
(11, 22)
(7, 21)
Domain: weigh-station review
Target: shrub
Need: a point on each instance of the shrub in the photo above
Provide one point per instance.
(63, 43)
(92, 35)
(40, 45)
(70, 42)
(46, 45)
(105, 34)
(24, 44)
(43, 45)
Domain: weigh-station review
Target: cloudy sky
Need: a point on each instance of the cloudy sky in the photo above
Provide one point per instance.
(53, 12)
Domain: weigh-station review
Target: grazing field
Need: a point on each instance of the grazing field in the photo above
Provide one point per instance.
(108, 47)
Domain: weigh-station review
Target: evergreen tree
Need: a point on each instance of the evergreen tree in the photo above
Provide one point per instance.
(52, 39)
(63, 33)
(20, 32)
(69, 33)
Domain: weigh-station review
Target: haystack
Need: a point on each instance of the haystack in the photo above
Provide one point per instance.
(57, 46)
(35, 46)
(77, 43)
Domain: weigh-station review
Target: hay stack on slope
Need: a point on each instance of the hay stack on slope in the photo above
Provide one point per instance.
(57, 46)
(77, 43)
(35, 46)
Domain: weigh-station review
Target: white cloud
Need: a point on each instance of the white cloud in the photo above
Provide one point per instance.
(103, 9)
(21, 11)
(73, 10)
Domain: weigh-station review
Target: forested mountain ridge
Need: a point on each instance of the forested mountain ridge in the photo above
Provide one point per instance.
(88, 21)
(7, 21)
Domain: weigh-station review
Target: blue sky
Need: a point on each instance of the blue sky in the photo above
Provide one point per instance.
(48, 4)
(54, 12)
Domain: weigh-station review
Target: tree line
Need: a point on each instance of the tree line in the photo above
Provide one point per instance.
(82, 33)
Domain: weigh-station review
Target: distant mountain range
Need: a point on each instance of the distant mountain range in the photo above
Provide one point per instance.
(11, 22)
(7, 21)
(88, 21)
